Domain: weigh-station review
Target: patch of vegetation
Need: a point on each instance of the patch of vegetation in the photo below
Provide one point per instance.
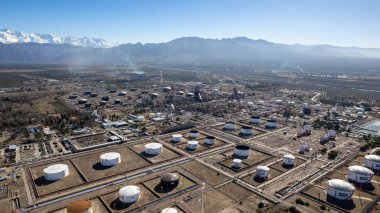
(294, 209)
(323, 207)
(371, 142)
(261, 205)
(332, 154)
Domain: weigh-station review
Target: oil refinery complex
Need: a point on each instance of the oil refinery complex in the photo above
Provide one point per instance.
(151, 145)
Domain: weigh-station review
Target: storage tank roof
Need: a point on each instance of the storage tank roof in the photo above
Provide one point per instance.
(289, 157)
(375, 158)
(128, 191)
(263, 168)
(153, 145)
(56, 168)
(360, 170)
(110, 155)
(169, 210)
(79, 206)
(170, 177)
(340, 185)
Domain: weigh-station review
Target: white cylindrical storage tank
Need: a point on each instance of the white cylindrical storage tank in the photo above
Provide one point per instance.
(152, 115)
(176, 138)
(332, 134)
(333, 110)
(340, 189)
(229, 126)
(129, 194)
(158, 115)
(194, 133)
(291, 103)
(122, 93)
(348, 112)
(215, 92)
(153, 148)
(250, 104)
(305, 105)
(359, 114)
(372, 161)
(140, 118)
(169, 210)
(255, 119)
(260, 102)
(246, 130)
(56, 172)
(317, 107)
(359, 109)
(359, 174)
(279, 102)
(210, 140)
(288, 160)
(82, 101)
(110, 159)
(271, 124)
(262, 171)
(324, 138)
(192, 145)
(242, 150)
(236, 163)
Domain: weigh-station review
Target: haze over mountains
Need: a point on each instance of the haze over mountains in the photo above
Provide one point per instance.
(187, 52)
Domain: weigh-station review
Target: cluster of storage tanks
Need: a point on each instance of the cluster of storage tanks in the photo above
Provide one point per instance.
(305, 131)
(343, 190)
(192, 144)
(329, 136)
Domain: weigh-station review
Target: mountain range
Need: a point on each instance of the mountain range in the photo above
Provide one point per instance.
(190, 52)
(8, 36)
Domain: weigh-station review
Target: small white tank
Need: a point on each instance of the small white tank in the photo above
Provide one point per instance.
(129, 194)
(250, 103)
(333, 110)
(317, 107)
(140, 118)
(229, 126)
(271, 124)
(359, 109)
(246, 130)
(153, 148)
(110, 159)
(56, 172)
(279, 102)
(176, 138)
(210, 140)
(332, 134)
(236, 163)
(360, 114)
(192, 145)
(305, 105)
(359, 174)
(372, 161)
(194, 133)
(348, 112)
(262, 171)
(288, 160)
(169, 210)
(242, 150)
(340, 189)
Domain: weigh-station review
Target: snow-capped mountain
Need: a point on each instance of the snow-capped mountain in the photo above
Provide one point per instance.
(11, 36)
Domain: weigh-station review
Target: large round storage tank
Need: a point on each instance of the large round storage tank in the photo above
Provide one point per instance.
(83, 206)
(255, 119)
(242, 150)
(229, 126)
(250, 103)
(236, 163)
(305, 105)
(129, 194)
(317, 107)
(170, 180)
(340, 189)
(110, 159)
(271, 124)
(260, 104)
(262, 171)
(169, 210)
(332, 134)
(333, 110)
(372, 161)
(348, 112)
(176, 138)
(194, 133)
(210, 140)
(246, 130)
(279, 102)
(192, 145)
(153, 148)
(56, 172)
(359, 114)
(359, 174)
(288, 160)
(359, 109)
(122, 93)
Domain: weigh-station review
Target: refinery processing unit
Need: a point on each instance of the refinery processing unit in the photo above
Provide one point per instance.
(151, 145)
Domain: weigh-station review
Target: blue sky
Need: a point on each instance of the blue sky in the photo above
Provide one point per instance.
(336, 22)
